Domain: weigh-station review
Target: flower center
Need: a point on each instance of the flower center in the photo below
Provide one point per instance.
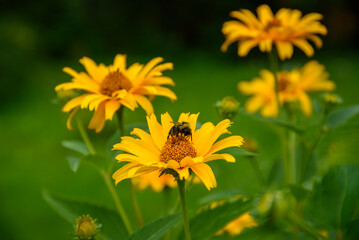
(272, 24)
(114, 81)
(283, 83)
(176, 148)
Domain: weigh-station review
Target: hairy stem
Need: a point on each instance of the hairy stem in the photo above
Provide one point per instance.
(181, 190)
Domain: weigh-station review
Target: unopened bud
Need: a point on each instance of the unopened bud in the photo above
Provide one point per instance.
(330, 101)
(250, 145)
(86, 228)
(227, 107)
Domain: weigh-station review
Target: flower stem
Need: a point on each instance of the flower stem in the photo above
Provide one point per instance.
(257, 170)
(136, 206)
(105, 177)
(85, 136)
(117, 201)
(181, 190)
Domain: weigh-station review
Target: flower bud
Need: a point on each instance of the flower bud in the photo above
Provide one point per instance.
(228, 107)
(330, 101)
(250, 145)
(86, 228)
(64, 96)
(275, 204)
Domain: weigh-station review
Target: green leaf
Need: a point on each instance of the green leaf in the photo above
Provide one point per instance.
(341, 116)
(156, 229)
(299, 192)
(221, 195)
(74, 163)
(208, 222)
(335, 198)
(77, 146)
(278, 122)
(112, 224)
(238, 151)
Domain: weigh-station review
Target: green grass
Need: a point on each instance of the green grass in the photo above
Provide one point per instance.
(32, 128)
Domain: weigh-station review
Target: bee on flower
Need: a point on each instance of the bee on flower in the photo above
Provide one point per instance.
(178, 154)
(106, 89)
(285, 29)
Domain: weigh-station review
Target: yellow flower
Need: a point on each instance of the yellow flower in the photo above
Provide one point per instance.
(292, 86)
(107, 88)
(159, 151)
(264, 97)
(284, 29)
(153, 181)
(236, 226)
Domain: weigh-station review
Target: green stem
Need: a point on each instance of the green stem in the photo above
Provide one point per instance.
(312, 148)
(85, 137)
(257, 170)
(105, 177)
(285, 159)
(294, 219)
(181, 190)
(273, 61)
(136, 206)
(292, 161)
(117, 201)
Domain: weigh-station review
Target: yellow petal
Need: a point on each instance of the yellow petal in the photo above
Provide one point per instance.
(167, 123)
(265, 14)
(144, 103)
(225, 156)
(245, 46)
(98, 73)
(305, 104)
(205, 173)
(98, 119)
(111, 107)
(232, 141)
(72, 114)
(304, 46)
(144, 136)
(285, 50)
(120, 62)
(156, 131)
(75, 102)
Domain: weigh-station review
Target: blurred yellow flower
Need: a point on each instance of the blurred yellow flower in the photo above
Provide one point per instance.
(264, 97)
(177, 154)
(236, 226)
(284, 29)
(292, 86)
(153, 181)
(107, 88)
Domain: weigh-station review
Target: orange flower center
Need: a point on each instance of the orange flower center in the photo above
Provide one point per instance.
(176, 148)
(114, 81)
(283, 83)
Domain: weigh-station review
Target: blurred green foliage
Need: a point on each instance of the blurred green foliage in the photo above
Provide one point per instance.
(39, 38)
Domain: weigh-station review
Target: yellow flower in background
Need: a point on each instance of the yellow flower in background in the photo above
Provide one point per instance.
(236, 226)
(107, 88)
(177, 153)
(284, 29)
(293, 86)
(153, 180)
(263, 94)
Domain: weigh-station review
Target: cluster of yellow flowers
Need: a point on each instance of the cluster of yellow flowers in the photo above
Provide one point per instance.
(177, 147)
(284, 29)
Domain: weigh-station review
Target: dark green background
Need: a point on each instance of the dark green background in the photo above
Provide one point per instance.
(39, 38)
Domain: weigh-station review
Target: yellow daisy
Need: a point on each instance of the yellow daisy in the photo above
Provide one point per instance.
(294, 85)
(178, 154)
(107, 88)
(236, 226)
(284, 29)
(264, 97)
(153, 181)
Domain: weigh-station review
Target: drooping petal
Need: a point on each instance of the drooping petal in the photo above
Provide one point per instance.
(144, 103)
(98, 119)
(205, 173)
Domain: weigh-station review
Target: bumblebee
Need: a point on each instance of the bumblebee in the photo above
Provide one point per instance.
(180, 128)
